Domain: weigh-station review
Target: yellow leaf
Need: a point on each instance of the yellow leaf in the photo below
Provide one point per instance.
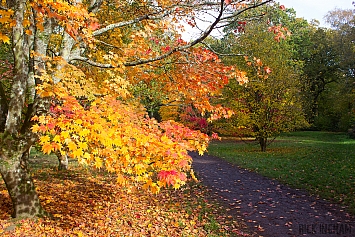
(72, 146)
(87, 156)
(4, 38)
(98, 162)
(176, 186)
(35, 128)
(57, 138)
(165, 139)
(80, 234)
(42, 119)
(78, 153)
(84, 132)
(44, 139)
(83, 145)
(117, 142)
(64, 134)
(193, 176)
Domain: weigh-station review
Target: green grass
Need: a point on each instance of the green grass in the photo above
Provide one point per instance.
(322, 163)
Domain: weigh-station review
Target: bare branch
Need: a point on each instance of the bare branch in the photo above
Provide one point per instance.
(245, 9)
(130, 22)
(198, 40)
(107, 44)
(223, 54)
(91, 62)
(95, 5)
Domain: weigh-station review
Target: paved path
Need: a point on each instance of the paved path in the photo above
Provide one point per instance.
(268, 207)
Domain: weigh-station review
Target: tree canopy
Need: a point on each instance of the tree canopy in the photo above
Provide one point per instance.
(269, 103)
(76, 69)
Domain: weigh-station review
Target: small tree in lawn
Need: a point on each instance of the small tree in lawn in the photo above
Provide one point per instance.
(268, 103)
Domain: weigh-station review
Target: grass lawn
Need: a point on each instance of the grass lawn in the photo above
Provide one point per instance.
(87, 202)
(321, 162)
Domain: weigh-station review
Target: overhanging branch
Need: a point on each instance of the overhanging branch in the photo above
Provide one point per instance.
(202, 37)
(130, 22)
(223, 54)
(245, 9)
(91, 62)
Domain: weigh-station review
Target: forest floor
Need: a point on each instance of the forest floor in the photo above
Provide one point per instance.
(88, 202)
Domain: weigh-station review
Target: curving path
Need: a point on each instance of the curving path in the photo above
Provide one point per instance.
(269, 208)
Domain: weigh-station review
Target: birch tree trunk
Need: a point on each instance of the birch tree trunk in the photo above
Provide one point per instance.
(16, 137)
(20, 186)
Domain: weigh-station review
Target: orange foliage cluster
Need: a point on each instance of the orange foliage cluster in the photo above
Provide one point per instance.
(117, 134)
(198, 77)
(280, 32)
(73, 17)
(108, 128)
(121, 138)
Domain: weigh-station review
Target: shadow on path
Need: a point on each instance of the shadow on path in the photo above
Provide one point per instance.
(268, 207)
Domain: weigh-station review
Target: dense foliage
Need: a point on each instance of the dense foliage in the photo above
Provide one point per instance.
(77, 71)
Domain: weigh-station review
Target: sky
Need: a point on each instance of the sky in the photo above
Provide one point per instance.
(316, 9)
(308, 9)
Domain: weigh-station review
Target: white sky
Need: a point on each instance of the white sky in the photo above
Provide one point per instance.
(315, 9)
(308, 9)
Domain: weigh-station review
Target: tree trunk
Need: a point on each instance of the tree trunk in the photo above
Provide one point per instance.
(15, 173)
(63, 161)
(263, 143)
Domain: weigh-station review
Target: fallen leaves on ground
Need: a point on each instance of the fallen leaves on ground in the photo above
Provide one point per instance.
(87, 203)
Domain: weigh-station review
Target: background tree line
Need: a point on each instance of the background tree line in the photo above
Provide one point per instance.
(304, 80)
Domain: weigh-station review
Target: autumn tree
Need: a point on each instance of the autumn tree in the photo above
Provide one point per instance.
(269, 102)
(73, 65)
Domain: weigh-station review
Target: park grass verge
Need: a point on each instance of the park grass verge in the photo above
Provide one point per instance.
(85, 202)
(322, 163)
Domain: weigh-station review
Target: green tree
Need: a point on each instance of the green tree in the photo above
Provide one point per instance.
(269, 103)
(321, 68)
(328, 73)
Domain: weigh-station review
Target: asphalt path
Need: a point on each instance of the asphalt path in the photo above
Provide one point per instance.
(269, 208)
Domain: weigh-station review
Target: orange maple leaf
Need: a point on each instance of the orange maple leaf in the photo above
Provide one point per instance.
(47, 148)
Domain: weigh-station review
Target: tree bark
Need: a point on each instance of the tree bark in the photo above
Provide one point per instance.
(263, 143)
(63, 161)
(15, 173)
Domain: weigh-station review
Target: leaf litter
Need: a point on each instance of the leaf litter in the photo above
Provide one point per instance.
(90, 203)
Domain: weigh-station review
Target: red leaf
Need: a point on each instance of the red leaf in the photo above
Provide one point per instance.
(167, 48)
(94, 25)
(267, 70)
